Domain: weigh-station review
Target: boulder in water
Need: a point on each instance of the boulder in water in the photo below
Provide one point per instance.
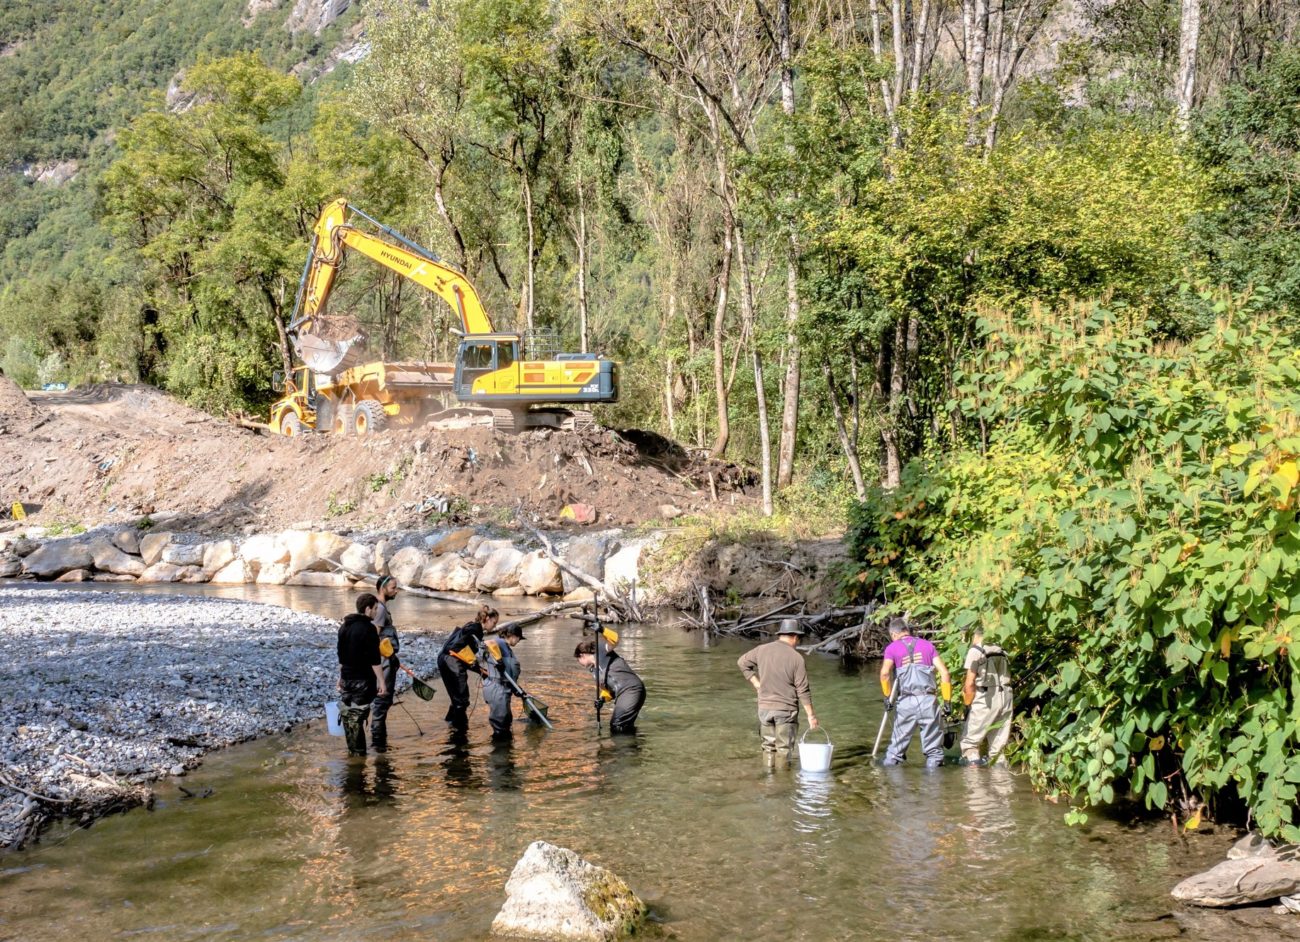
(554, 894)
(1236, 882)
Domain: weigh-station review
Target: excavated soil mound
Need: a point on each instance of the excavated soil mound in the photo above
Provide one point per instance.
(110, 451)
(15, 407)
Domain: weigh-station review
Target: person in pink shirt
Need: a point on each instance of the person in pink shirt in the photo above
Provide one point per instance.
(912, 663)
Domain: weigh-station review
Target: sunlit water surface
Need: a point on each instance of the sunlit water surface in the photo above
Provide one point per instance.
(297, 842)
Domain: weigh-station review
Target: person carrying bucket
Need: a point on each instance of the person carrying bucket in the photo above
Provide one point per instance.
(777, 671)
(915, 661)
(460, 652)
(502, 668)
(986, 690)
(360, 675)
(386, 590)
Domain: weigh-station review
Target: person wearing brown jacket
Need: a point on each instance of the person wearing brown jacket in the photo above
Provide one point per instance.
(777, 671)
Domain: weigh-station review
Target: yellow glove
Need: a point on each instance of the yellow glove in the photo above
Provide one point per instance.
(610, 635)
(466, 655)
(386, 647)
(606, 695)
(495, 649)
(884, 686)
(945, 691)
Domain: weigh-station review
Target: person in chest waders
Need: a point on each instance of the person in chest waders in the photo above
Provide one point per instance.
(360, 677)
(386, 589)
(618, 682)
(986, 689)
(914, 661)
(499, 657)
(467, 640)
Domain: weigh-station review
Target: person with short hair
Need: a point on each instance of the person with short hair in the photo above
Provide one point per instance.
(458, 654)
(386, 590)
(777, 671)
(500, 661)
(618, 682)
(986, 690)
(912, 662)
(360, 675)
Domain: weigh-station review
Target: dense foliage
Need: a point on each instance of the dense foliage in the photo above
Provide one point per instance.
(1122, 516)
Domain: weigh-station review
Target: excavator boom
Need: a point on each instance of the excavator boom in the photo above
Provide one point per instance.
(332, 234)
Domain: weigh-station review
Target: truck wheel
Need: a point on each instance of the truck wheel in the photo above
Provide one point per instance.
(343, 420)
(290, 425)
(369, 417)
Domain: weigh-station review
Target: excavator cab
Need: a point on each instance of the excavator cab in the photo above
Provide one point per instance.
(485, 366)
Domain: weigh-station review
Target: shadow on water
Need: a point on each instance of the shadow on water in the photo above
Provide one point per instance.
(297, 842)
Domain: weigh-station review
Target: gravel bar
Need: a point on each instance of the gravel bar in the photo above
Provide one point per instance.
(104, 692)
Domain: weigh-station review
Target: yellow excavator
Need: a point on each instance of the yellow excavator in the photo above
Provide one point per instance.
(518, 380)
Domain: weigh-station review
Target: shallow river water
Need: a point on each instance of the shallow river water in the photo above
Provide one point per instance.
(297, 842)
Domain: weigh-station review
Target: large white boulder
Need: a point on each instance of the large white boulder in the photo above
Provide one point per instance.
(324, 580)
(184, 554)
(234, 572)
(52, 560)
(217, 556)
(108, 558)
(554, 894)
(500, 569)
(358, 557)
(406, 565)
(263, 552)
(449, 573)
(486, 548)
(313, 550)
(274, 574)
(622, 570)
(128, 541)
(161, 572)
(587, 554)
(539, 576)
(152, 545)
(1235, 882)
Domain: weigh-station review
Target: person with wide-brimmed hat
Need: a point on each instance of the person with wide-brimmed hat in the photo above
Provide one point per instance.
(777, 671)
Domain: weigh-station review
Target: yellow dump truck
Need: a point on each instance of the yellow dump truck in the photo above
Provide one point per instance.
(516, 380)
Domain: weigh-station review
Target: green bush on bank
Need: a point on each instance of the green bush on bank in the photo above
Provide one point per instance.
(1123, 519)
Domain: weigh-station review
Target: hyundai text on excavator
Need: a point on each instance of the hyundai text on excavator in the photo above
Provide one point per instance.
(516, 380)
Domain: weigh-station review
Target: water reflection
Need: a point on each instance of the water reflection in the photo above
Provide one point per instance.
(417, 844)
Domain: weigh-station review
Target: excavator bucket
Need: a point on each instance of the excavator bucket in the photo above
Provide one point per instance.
(330, 344)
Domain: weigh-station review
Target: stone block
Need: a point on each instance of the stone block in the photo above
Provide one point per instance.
(554, 894)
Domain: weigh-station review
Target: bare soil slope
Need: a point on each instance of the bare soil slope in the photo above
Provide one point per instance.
(109, 451)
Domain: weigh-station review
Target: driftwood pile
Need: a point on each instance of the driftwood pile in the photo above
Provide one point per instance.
(852, 631)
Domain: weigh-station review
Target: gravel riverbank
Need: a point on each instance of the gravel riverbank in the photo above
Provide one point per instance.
(104, 692)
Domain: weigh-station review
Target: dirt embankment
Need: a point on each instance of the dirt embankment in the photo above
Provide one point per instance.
(106, 451)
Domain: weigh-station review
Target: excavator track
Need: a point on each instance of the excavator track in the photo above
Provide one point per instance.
(504, 420)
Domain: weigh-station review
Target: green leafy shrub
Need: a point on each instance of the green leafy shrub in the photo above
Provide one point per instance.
(1123, 518)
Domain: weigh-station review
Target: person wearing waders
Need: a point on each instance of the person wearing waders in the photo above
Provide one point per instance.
(986, 690)
(468, 639)
(386, 589)
(911, 663)
(777, 671)
(499, 658)
(360, 676)
(618, 682)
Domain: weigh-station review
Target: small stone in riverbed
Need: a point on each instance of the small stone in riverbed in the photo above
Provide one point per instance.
(1252, 845)
(178, 770)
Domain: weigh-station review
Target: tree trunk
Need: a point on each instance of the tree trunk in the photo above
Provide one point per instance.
(975, 27)
(790, 392)
(841, 431)
(1189, 39)
(889, 434)
(439, 174)
(719, 349)
(760, 390)
(532, 249)
(670, 410)
(582, 275)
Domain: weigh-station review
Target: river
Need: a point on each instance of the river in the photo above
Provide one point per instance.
(293, 841)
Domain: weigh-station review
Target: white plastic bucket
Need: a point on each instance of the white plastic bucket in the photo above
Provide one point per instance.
(332, 717)
(815, 756)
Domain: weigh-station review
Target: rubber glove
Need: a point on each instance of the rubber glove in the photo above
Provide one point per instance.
(884, 686)
(945, 691)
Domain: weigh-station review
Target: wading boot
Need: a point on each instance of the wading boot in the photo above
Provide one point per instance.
(354, 729)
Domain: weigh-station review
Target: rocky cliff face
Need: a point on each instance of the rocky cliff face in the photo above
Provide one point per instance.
(314, 15)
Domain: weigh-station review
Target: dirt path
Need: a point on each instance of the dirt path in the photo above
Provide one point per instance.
(108, 451)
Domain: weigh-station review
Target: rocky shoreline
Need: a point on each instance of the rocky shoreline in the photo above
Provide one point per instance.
(106, 692)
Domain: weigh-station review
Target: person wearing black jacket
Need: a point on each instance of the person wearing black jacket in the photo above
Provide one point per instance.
(360, 674)
(455, 671)
(618, 682)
